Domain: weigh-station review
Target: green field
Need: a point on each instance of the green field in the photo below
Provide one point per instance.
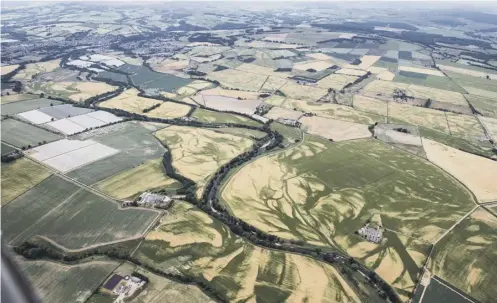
(204, 115)
(23, 106)
(71, 216)
(6, 149)
(290, 134)
(19, 176)
(437, 291)
(466, 256)
(240, 132)
(431, 81)
(136, 143)
(22, 134)
(486, 106)
(476, 82)
(59, 283)
(17, 98)
(322, 192)
(189, 241)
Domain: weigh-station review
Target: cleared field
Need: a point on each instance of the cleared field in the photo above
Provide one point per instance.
(336, 81)
(21, 134)
(167, 66)
(131, 102)
(33, 69)
(370, 105)
(426, 71)
(147, 176)
(466, 256)
(367, 61)
(62, 283)
(19, 176)
(92, 220)
(275, 100)
(192, 243)
(5, 69)
(140, 145)
(27, 105)
(233, 78)
(17, 97)
(204, 115)
(321, 192)
(335, 130)
(477, 173)
(198, 153)
(334, 111)
(223, 103)
(303, 92)
(283, 113)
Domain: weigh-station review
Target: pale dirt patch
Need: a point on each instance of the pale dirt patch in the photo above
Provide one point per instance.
(481, 92)
(234, 78)
(131, 102)
(426, 71)
(279, 112)
(37, 68)
(491, 126)
(468, 72)
(336, 81)
(370, 105)
(351, 72)
(465, 126)
(149, 175)
(426, 117)
(261, 70)
(334, 129)
(8, 68)
(303, 92)
(316, 65)
(367, 61)
(477, 173)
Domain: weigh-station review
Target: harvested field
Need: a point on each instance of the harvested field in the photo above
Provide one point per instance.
(27, 105)
(233, 78)
(131, 102)
(167, 66)
(272, 84)
(128, 184)
(469, 72)
(217, 91)
(204, 115)
(33, 69)
(334, 111)
(78, 91)
(464, 126)
(385, 75)
(367, 61)
(426, 71)
(490, 125)
(334, 129)
(222, 103)
(21, 134)
(140, 145)
(315, 65)
(56, 282)
(477, 173)
(481, 92)
(275, 100)
(19, 176)
(351, 72)
(421, 116)
(336, 81)
(370, 105)
(303, 92)
(198, 153)
(66, 155)
(94, 220)
(190, 242)
(17, 97)
(465, 257)
(260, 70)
(283, 113)
(8, 68)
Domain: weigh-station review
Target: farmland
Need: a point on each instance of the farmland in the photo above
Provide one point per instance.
(65, 283)
(465, 256)
(19, 176)
(147, 176)
(295, 196)
(33, 69)
(21, 134)
(204, 115)
(190, 242)
(63, 212)
(27, 105)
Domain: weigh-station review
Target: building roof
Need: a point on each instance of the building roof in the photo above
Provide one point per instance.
(112, 282)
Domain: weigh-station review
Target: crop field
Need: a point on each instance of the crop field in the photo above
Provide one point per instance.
(387, 133)
(56, 282)
(233, 78)
(336, 81)
(131, 102)
(204, 115)
(490, 125)
(266, 71)
(426, 71)
(315, 65)
(146, 78)
(283, 113)
(477, 173)
(333, 129)
(192, 243)
(8, 68)
(33, 69)
(296, 194)
(17, 97)
(464, 126)
(140, 145)
(428, 81)
(93, 220)
(64, 111)
(167, 66)
(198, 153)
(273, 83)
(486, 106)
(27, 105)
(223, 103)
(230, 93)
(421, 116)
(21, 134)
(76, 91)
(475, 85)
(469, 72)
(370, 105)
(303, 92)
(334, 111)
(19, 176)
(466, 256)
(128, 184)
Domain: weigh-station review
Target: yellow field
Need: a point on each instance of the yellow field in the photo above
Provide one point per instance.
(275, 100)
(273, 83)
(367, 61)
(8, 68)
(370, 105)
(19, 176)
(230, 93)
(466, 71)
(316, 65)
(491, 126)
(17, 97)
(324, 57)
(351, 72)
(335, 81)
(426, 117)
(198, 153)
(37, 68)
(147, 176)
(233, 78)
(261, 70)
(131, 102)
(465, 126)
(80, 91)
(167, 66)
(284, 113)
(334, 129)
(303, 92)
(481, 92)
(477, 173)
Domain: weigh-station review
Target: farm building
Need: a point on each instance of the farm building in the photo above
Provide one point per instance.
(372, 234)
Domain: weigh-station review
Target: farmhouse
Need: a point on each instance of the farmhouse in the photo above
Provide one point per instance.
(371, 233)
